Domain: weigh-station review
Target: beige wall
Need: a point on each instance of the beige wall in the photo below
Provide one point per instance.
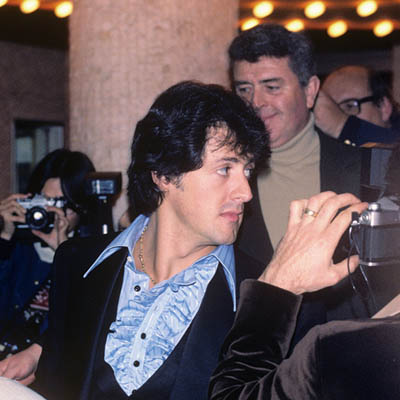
(32, 86)
(124, 53)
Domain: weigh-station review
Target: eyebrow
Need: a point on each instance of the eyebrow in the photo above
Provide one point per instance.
(267, 80)
(235, 160)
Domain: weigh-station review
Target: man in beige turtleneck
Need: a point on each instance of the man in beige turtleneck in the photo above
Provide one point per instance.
(274, 70)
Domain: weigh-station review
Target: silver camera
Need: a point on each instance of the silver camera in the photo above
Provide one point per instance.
(376, 235)
(37, 217)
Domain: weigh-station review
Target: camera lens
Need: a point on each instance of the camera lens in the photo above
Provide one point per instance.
(37, 218)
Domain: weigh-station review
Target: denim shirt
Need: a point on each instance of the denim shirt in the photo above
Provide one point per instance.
(150, 322)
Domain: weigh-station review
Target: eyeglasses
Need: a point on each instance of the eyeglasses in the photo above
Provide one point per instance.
(353, 106)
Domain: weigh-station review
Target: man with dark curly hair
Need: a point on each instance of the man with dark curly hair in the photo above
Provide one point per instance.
(146, 314)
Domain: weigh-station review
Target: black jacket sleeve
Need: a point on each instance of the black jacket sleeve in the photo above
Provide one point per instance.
(254, 356)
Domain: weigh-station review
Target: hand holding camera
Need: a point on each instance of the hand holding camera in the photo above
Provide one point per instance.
(59, 228)
(11, 212)
(45, 217)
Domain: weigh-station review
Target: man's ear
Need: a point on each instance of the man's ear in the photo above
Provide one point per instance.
(385, 108)
(311, 91)
(161, 181)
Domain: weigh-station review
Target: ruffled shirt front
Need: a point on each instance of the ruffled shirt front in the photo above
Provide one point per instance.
(150, 322)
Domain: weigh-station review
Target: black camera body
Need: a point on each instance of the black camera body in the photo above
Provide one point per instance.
(102, 188)
(103, 184)
(37, 217)
(376, 235)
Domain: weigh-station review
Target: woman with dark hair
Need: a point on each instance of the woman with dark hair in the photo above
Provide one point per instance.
(25, 260)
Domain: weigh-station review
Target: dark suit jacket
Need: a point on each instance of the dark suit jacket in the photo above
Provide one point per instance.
(77, 319)
(339, 360)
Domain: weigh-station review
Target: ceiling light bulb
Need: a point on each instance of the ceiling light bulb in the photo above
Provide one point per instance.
(337, 29)
(29, 6)
(3, 3)
(249, 23)
(383, 28)
(295, 25)
(366, 8)
(64, 9)
(315, 9)
(263, 9)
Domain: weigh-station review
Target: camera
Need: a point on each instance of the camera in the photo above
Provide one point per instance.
(102, 189)
(375, 234)
(37, 217)
(103, 184)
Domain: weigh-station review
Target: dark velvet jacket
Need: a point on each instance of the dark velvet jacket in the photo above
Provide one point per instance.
(78, 319)
(357, 359)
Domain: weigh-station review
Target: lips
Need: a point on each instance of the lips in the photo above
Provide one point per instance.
(233, 216)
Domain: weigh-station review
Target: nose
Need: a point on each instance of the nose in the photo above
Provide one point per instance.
(243, 192)
(258, 99)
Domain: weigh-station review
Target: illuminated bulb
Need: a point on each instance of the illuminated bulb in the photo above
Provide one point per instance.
(315, 9)
(337, 29)
(64, 9)
(29, 6)
(263, 9)
(250, 23)
(366, 8)
(3, 2)
(295, 25)
(383, 28)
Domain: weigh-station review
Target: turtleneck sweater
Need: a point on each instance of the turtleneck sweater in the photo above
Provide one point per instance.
(293, 174)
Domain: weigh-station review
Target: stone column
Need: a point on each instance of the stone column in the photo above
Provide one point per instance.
(123, 53)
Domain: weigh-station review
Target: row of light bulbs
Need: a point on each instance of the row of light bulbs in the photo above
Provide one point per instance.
(314, 10)
(62, 9)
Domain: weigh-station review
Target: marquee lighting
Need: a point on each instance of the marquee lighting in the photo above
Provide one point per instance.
(337, 29)
(3, 3)
(64, 9)
(263, 9)
(29, 6)
(249, 23)
(366, 8)
(383, 28)
(314, 9)
(295, 25)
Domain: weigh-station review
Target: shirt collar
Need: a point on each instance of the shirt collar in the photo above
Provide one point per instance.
(224, 254)
(126, 238)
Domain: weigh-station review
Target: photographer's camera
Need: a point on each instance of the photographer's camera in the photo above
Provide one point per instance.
(37, 217)
(375, 234)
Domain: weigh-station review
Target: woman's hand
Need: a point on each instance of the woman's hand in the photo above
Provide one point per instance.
(11, 211)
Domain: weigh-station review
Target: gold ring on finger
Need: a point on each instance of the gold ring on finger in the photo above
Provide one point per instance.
(311, 213)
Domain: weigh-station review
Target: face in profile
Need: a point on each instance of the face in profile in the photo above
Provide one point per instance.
(276, 94)
(206, 205)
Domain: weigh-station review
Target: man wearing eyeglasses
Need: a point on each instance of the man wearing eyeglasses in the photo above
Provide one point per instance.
(355, 105)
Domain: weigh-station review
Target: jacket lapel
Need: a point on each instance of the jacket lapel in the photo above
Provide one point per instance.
(340, 166)
(253, 237)
(205, 338)
(102, 288)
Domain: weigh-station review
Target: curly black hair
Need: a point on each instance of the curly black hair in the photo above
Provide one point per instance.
(170, 140)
